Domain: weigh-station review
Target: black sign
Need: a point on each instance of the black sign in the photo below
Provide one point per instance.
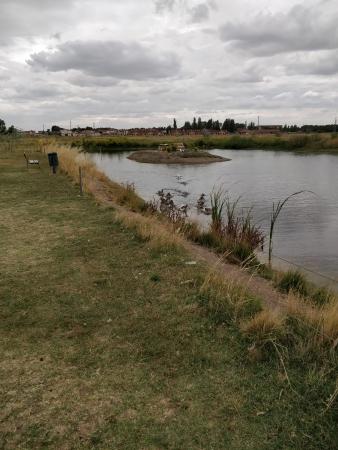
(53, 160)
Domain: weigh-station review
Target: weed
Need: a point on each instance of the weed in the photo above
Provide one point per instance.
(155, 278)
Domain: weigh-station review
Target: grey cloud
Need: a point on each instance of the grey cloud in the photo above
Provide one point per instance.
(38, 92)
(195, 13)
(302, 28)
(247, 73)
(163, 5)
(25, 19)
(107, 59)
(200, 12)
(325, 64)
(82, 80)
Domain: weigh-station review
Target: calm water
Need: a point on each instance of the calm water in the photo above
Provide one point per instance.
(307, 229)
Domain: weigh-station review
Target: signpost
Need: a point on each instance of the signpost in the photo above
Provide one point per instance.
(53, 161)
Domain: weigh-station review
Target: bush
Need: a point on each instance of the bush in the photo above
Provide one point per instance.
(294, 281)
(242, 251)
(211, 240)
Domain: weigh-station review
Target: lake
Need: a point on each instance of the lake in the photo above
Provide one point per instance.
(306, 232)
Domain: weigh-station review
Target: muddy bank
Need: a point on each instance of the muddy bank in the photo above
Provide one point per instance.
(158, 157)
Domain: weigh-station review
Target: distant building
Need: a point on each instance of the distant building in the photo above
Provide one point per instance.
(270, 129)
(64, 132)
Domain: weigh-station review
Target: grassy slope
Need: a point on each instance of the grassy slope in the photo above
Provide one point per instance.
(94, 354)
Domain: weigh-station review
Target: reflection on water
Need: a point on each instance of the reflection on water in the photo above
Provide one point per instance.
(307, 229)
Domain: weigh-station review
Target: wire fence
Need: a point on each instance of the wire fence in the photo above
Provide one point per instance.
(305, 269)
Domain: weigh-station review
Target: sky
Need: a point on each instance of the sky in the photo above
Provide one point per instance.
(138, 63)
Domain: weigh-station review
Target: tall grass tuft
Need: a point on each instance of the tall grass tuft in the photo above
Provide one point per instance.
(227, 301)
(264, 326)
(294, 281)
(149, 229)
(218, 202)
(235, 230)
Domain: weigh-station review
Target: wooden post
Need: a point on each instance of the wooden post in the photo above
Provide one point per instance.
(80, 180)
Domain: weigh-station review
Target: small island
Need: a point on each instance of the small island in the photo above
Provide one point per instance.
(175, 155)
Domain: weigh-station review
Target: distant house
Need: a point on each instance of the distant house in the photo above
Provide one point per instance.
(270, 129)
(64, 132)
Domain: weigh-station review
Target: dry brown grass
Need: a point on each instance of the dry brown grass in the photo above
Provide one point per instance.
(150, 229)
(321, 323)
(264, 325)
(94, 181)
(227, 300)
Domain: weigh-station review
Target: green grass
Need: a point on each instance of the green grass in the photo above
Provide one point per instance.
(286, 142)
(105, 344)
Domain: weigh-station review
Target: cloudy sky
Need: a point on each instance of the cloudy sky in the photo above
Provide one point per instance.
(142, 62)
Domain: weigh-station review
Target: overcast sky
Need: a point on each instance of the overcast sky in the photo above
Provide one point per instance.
(142, 62)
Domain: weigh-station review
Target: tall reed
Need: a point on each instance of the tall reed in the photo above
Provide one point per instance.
(276, 210)
(235, 228)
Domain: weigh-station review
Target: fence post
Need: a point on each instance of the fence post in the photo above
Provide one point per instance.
(80, 180)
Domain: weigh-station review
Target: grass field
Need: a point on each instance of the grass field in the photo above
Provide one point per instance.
(106, 343)
(287, 142)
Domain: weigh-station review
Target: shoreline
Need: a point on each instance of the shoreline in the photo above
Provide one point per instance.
(135, 318)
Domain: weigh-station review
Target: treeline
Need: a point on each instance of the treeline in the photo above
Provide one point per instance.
(228, 125)
(310, 128)
(5, 130)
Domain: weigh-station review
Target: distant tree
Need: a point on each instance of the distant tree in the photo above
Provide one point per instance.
(11, 130)
(216, 125)
(228, 125)
(175, 125)
(169, 129)
(232, 127)
(199, 124)
(187, 125)
(240, 126)
(2, 126)
(209, 124)
(251, 126)
(55, 129)
(194, 124)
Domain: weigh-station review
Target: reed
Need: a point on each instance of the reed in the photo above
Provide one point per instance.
(231, 229)
(218, 202)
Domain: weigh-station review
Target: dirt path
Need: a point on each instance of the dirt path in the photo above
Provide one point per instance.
(257, 285)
